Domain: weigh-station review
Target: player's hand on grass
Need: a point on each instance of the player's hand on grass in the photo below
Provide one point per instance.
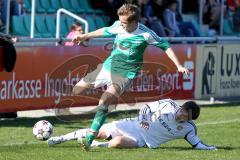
(183, 70)
(212, 148)
(144, 125)
(202, 146)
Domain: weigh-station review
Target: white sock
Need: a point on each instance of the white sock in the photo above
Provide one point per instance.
(100, 144)
(81, 133)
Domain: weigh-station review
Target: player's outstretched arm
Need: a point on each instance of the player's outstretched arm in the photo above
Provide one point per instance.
(175, 60)
(195, 142)
(82, 37)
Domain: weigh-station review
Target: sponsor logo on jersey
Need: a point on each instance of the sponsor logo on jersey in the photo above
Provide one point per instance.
(179, 128)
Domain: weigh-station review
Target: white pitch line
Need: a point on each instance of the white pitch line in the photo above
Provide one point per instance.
(218, 122)
(19, 144)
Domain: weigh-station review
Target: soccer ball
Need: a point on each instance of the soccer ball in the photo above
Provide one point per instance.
(42, 130)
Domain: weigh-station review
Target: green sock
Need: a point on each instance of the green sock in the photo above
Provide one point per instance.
(90, 137)
(98, 121)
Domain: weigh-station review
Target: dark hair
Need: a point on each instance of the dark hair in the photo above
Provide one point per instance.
(170, 2)
(75, 25)
(130, 10)
(192, 108)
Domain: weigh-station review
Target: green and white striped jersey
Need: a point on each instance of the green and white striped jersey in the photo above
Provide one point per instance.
(127, 56)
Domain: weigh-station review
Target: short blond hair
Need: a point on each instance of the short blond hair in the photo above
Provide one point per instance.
(129, 10)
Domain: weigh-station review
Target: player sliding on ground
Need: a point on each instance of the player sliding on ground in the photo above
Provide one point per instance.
(158, 122)
(123, 65)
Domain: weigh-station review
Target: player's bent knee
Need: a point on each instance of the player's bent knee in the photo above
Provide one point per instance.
(76, 90)
(107, 99)
(104, 102)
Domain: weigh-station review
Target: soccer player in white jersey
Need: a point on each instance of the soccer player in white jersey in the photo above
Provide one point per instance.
(124, 63)
(158, 122)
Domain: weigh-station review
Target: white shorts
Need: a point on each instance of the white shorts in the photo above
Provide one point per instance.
(101, 77)
(125, 127)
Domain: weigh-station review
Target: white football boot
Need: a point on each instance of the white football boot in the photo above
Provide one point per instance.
(54, 140)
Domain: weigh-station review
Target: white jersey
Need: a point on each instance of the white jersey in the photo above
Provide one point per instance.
(162, 125)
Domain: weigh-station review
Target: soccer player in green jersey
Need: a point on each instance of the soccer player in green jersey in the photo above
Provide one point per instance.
(124, 63)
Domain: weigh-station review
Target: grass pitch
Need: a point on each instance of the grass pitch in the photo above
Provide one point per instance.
(217, 125)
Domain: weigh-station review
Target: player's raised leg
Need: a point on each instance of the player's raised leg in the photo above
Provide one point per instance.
(110, 95)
